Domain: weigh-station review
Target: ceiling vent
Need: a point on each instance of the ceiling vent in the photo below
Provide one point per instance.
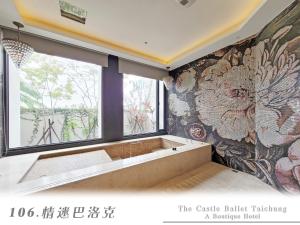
(72, 12)
(186, 3)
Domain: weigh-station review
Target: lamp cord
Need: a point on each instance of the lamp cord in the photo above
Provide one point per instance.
(18, 33)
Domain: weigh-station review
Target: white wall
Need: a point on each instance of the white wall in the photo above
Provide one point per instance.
(14, 106)
(100, 106)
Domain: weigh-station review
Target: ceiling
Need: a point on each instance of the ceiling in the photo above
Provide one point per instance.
(174, 34)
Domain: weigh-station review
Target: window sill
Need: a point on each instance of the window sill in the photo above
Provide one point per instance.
(65, 145)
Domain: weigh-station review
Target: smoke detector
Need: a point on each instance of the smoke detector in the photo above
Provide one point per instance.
(186, 3)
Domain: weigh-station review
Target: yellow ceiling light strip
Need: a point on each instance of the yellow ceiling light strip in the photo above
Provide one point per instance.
(36, 22)
(89, 38)
(43, 24)
(222, 32)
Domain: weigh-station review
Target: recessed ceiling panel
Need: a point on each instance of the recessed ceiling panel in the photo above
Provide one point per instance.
(161, 30)
(157, 32)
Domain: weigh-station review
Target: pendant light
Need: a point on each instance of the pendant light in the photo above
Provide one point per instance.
(18, 51)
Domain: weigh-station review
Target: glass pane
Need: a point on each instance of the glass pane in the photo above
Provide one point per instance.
(139, 105)
(161, 105)
(53, 100)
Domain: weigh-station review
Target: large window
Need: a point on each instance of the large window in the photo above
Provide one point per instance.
(141, 105)
(65, 103)
(54, 100)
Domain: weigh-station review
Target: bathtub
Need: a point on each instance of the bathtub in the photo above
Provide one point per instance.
(137, 164)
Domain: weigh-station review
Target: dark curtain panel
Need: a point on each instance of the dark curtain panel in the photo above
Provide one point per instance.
(1, 96)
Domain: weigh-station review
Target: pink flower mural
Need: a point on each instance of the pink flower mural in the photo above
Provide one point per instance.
(225, 98)
(245, 100)
(276, 79)
(287, 169)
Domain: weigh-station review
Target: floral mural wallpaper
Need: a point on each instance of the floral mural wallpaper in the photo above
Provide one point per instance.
(245, 100)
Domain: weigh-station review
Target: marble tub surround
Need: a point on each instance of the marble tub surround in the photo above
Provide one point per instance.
(146, 167)
(138, 147)
(56, 165)
(215, 178)
(13, 169)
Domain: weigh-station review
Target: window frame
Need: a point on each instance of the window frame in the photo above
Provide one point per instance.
(65, 145)
(158, 130)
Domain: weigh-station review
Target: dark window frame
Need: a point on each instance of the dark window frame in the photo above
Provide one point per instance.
(111, 70)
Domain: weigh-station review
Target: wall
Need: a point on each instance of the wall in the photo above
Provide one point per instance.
(277, 86)
(1, 102)
(245, 100)
(14, 106)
